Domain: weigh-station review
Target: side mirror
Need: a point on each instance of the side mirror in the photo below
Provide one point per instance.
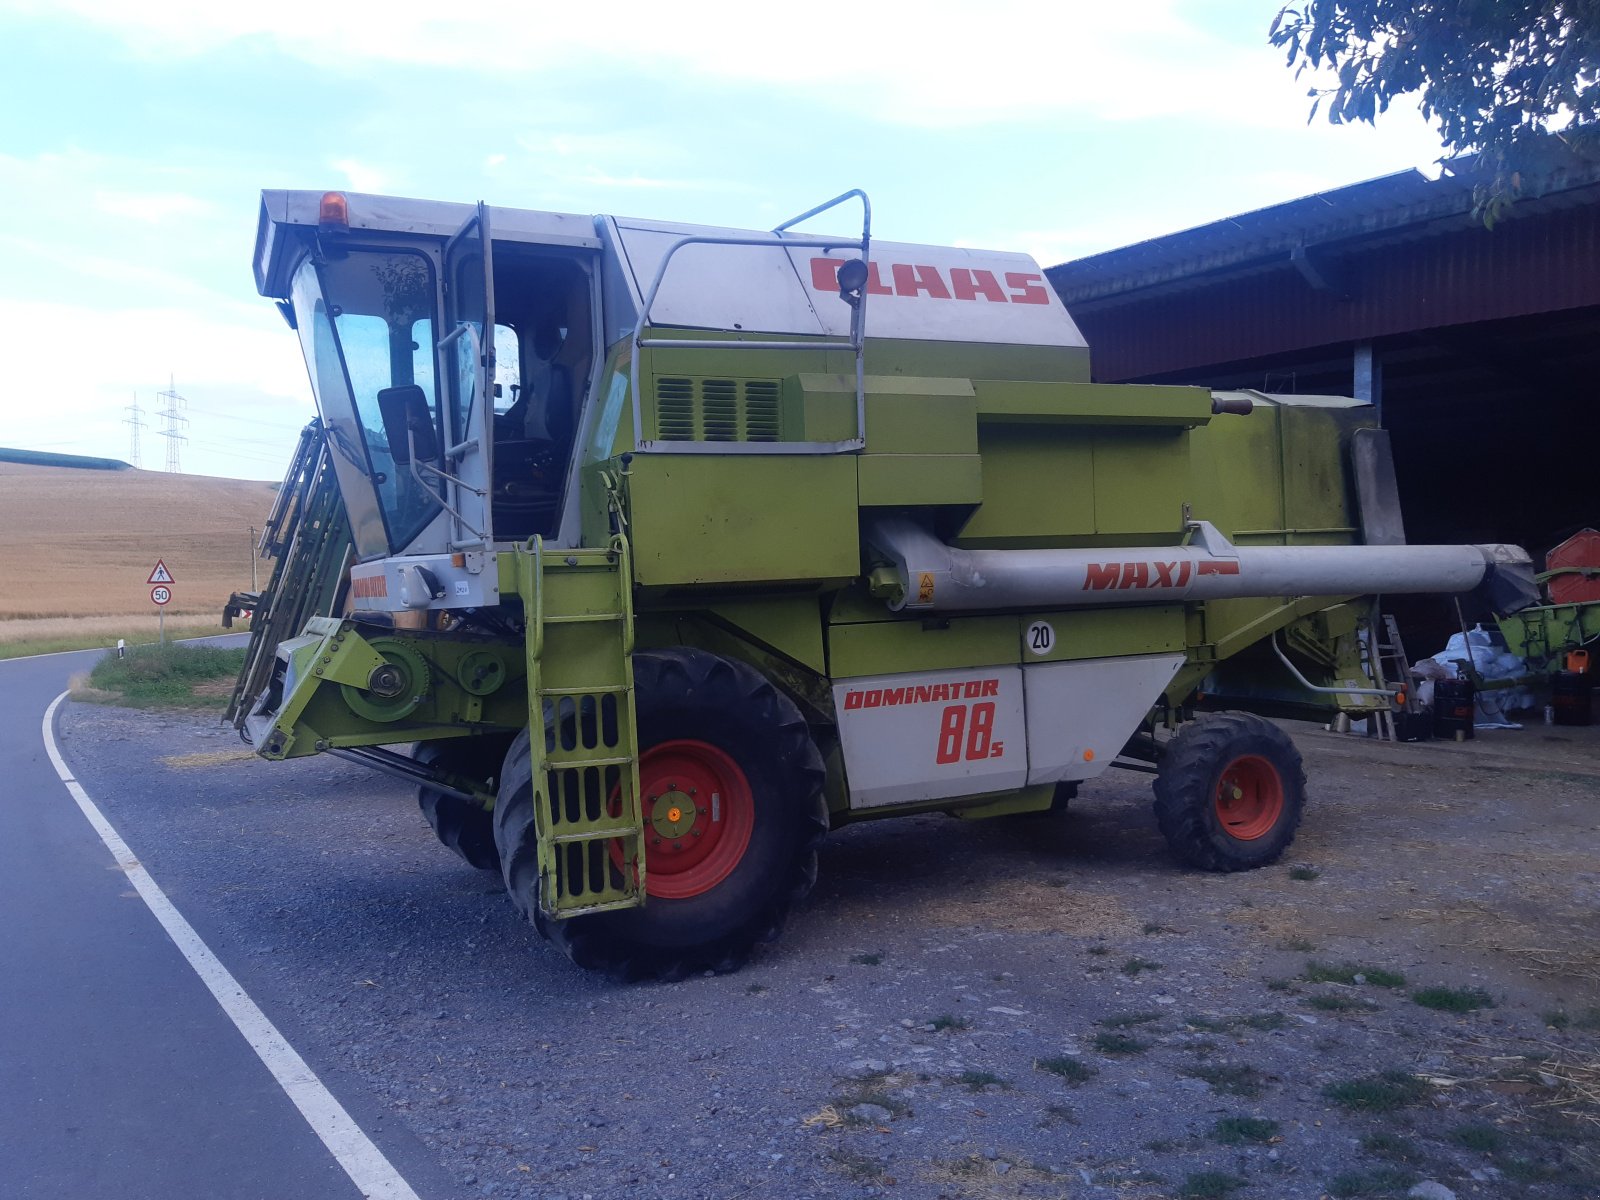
(408, 424)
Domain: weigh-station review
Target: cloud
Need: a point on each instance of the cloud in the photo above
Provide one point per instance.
(152, 208)
(933, 63)
(360, 176)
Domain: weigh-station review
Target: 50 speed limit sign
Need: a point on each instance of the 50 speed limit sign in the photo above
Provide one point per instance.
(160, 594)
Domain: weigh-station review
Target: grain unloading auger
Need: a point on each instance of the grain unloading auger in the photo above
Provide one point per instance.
(673, 547)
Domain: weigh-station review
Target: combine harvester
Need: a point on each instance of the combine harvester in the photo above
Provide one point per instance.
(666, 549)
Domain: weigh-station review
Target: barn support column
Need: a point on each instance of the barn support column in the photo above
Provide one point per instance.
(1368, 368)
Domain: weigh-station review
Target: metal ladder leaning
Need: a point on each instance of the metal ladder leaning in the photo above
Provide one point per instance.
(586, 767)
(1386, 657)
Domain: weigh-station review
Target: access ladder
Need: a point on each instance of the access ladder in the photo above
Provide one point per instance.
(586, 766)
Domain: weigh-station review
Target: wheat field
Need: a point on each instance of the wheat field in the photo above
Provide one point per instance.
(77, 546)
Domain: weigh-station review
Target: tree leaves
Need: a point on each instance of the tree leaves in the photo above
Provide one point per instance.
(1502, 80)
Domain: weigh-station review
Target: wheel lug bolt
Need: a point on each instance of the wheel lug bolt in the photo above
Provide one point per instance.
(701, 809)
(697, 833)
(655, 841)
(677, 845)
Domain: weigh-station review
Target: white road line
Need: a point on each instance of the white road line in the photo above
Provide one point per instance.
(366, 1165)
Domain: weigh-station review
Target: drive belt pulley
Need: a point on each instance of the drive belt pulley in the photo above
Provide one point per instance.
(393, 690)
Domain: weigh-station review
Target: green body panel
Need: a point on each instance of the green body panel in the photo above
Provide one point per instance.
(463, 687)
(789, 625)
(741, 519)
(1544, 635)
(1106, 632)
(887, 647)
(1008, 402)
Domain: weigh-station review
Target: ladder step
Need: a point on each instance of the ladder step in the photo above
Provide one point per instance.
(584, 691)
(594, 835)
(579, 618)
(555, 761)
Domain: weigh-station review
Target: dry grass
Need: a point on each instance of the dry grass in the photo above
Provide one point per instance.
(1028, 906)
(81, 543)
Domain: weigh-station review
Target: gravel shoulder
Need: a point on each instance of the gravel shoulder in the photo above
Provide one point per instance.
(1023, 1007)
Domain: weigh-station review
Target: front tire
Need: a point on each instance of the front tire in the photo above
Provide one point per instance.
(1230, 792)
(731, 786)
(458, 824)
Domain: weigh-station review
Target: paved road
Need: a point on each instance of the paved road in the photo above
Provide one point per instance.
(119, 1073)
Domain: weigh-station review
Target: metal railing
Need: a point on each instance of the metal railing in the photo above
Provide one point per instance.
(855, 344)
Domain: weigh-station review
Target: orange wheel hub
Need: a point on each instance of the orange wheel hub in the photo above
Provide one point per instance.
(1249, 798)
(698, 812)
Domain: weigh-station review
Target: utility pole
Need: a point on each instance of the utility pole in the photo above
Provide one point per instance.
(173, 422)
(135, 422)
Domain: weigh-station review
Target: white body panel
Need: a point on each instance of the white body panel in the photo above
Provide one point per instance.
(1080, 714)
(928, 293)
(932, 735)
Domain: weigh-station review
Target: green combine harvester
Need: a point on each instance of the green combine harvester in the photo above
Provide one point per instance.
(652, 552)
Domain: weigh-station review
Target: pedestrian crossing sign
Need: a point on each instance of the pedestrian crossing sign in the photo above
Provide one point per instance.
(160, 574)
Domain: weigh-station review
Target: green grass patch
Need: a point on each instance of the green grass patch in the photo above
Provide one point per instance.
(1381, 1181)
(1297, 945)
(1203, 1024)
(1304, 874)
(1454, 1000)
(1154, 928)
(948, 1023)
(1209, 1185)
(1135, 965)
(1484, 1139)
(866, 960)
(1353, 973)
(1235, 1131)
(1066, 1067)
(1128, 1020)
(1383, 1092)
(1119, 1043)
(1280, 985)
(1229, 1080)
(754, 989)
(1098, 951)
(170, 676)
(134, 633)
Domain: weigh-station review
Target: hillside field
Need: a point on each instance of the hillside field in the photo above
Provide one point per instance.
(80, 545)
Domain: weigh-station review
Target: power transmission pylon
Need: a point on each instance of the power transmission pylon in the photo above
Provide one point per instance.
(135, 422)
(174, 420)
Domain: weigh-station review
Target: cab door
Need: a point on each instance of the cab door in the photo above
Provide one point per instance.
(466, 356)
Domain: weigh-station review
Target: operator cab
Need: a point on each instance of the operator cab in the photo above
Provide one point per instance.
(450, 381)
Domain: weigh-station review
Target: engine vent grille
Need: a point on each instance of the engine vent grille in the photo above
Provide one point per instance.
(718, 410)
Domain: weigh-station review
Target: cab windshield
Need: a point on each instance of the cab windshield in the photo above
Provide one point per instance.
(366, 323)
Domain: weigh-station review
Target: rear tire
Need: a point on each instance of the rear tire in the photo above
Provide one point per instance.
(718, 724)
(458, 824)
(1230, 792)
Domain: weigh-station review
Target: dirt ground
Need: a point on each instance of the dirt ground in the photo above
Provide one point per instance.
(975, 1011)
(81, 543)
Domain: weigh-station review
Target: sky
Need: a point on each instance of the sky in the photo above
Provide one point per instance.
(135, 138)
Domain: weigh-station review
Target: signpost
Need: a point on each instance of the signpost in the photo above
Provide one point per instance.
(161, 594)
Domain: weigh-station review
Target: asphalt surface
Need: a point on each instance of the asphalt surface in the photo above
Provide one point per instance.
(969, 1011)
(121, 1075)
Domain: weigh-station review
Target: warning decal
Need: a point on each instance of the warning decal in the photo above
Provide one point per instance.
(924, 587)
(161, 574)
